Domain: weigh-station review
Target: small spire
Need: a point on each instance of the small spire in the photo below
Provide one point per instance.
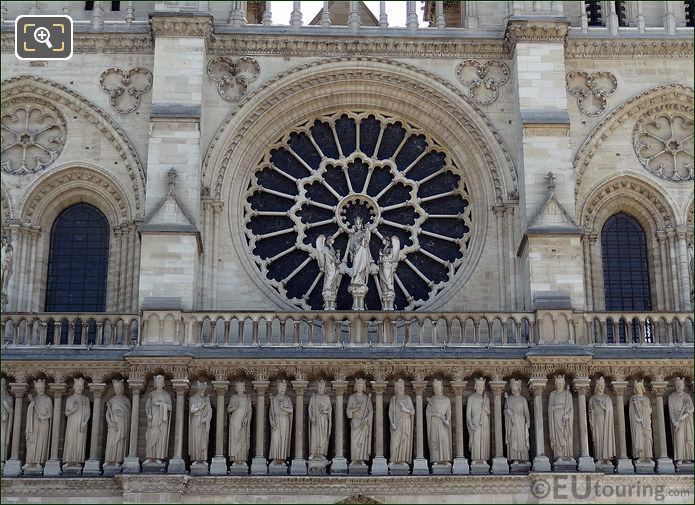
(171, 176)
(550, 181)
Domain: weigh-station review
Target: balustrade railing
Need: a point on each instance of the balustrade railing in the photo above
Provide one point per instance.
(636, 328)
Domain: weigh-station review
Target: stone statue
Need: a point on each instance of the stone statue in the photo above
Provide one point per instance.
(38, 427)
(641, 423)
(158, 409)
(517, 420)
(117, 424)
(401, 414)
(7, 260)
(438, 414)
(6, 411)
(329, 263)
(320, 419)
(560, 419)
(601, 423)
(478, 422)
(77, 411)
(239, 410)
(389, 257)
(280, 417)
(199, 417)
(361, 415)
(358, 252)
(680, 410)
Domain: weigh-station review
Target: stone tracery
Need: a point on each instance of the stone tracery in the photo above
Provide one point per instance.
(663, 144)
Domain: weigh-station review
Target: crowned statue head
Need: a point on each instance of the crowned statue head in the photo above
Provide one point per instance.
(282, 387)
(79, 385)
(118, 386)
(639, 387)
(679, 383)
(515, 386)
(600, 385)
(40, 386)
(559, 382)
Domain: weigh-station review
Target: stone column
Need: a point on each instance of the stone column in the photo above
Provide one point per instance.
(664, 464)
(176, 464)
(339, 465)
(298, 466)
(673, 262)
(499, 462)
(541, 463)
(92, 467)
(52, 467)
(13, 466)
(461, 466)
(131, 464)
(219, 461)
(684, 274)
(259, 465)
(379, 464)
(586, 462)
(624, 463)
(420, 466)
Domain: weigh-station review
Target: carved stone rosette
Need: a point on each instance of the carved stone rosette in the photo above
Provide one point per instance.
(591, 90)
(483, 79)
(233, 76)
(125, 87)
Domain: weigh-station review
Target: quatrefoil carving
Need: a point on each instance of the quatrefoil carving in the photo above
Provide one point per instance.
(125, 88)
(233, 76)
(591, 90)
(484, 79)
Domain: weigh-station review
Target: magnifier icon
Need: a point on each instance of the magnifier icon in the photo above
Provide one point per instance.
(43, 36)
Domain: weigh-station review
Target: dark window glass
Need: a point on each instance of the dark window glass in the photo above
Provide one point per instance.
(115, 6)
(621, 11)
(89, 6)
(593, 13)
(689, 12)
(78, 261)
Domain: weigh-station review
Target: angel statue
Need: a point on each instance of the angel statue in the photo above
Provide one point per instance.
(329, 263)
(389, 257)
(358, 252)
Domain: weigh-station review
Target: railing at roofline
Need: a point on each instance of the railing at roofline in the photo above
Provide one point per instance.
(346, 329)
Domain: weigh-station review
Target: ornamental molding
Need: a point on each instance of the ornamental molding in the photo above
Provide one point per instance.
(676, 97)
(592, 49)
(125, 87)
(347, 74)
(483, 79)
(167, 25)
(32, 86)
(93, 43)
(34, 133)
(591, 90)
(536, 30)
(233, 76)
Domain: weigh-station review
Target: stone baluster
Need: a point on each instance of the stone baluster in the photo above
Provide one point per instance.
(641, 25)
(259, 465)
(92, 466)
(379, 463)
(339, 464)
(176, 464)
(586, 462)
(411, 19)
(97, 15)
(440, 20)
(383, 17)
(613, 22)
(130, 13)
(461, 466)
(420, 466)
(471, 12)
(583, 19)
(669, 18)
(219, 461)
(354, 16)
(296, 16)
(325, 15)
(34, 9)
(624, 463)
(664, 464)
(299, 463)
(13, 466)
(267, 14)
(500, 465)
(541, 462)
(131, 464)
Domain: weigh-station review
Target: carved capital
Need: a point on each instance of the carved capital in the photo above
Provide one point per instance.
(136, 385)
(537, 386)
(261, 386)
(419, 387)
(458, 386)
(536, 30)
(497, 386)
(97, 388)
(166, 25)
(658, 388)
(58, 389)
(180, 386)
(220, 387)
(582, 385)
(18, 389)
(619, 387)
(379, 387)
(339, 386)
(299, 387)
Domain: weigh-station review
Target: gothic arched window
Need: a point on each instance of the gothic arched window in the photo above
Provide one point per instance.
(78, 261)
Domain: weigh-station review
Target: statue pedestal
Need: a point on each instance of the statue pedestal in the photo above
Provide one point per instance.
(110, 470)
(176, 466)
(131, 465)
(154, 466)
(684, 467)
(219, 466)
(500, 466)
(441, 468)
(72, 470)
(665, 466)
(237, 469)
(399, 469)
(520, 467)
(52, 468)
(13, 468)
(380, 466)
(298, 467)
(460, 467)
(32, 471)
(420, 467)
(480, 468)
(318, 465)
(644, 466)
(565, 465)
(625, 466)
(277, 468)
(359, 468)
(541, 464)
(339, 466)
(586, 464)
(605, 467)
(259, 466)
(199, 468)
(92, 468)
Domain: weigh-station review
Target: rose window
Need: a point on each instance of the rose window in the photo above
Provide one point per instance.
(339, 173)
(663, 144)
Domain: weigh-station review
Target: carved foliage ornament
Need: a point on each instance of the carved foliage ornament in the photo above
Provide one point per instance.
(125, 88)
(591, 90)
(327, 173)
(483, 79)
(663, 143)
(233, 76)
(33, 135)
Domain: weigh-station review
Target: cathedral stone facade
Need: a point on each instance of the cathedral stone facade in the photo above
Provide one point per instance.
(343, 261)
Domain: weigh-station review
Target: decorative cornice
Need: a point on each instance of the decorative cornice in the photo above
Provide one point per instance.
(620, 48)
(107, 43)
(553, 30)
(176, 25)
